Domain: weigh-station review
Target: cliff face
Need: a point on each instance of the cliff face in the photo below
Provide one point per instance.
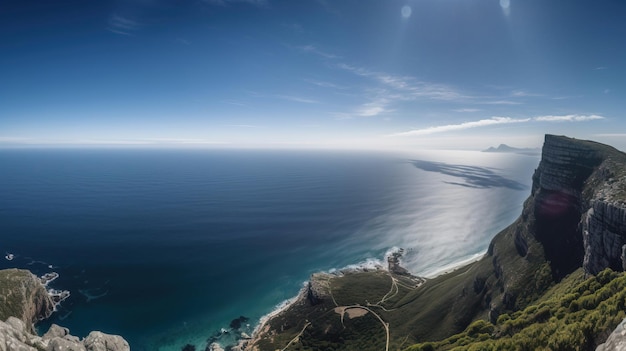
(604, 223)
(573, 220)
(23, 296)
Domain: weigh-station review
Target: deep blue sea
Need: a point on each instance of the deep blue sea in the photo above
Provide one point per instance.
(166, 247)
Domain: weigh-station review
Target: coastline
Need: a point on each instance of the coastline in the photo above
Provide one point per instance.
(394, 265)
(263, 327)
(449, 268)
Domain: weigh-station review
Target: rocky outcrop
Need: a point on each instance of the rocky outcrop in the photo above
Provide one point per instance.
(604, 234)
(23, 296)
(616, 341)
(318, 288)
(14, 336)
(604, 223)
(25, 301)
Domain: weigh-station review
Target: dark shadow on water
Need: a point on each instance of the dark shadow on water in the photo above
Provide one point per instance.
(474, 177)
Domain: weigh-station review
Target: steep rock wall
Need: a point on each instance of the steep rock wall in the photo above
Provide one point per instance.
(604, 234)
(573, 219)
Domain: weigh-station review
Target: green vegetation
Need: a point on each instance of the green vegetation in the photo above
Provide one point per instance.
(574, 315)
(12, 298)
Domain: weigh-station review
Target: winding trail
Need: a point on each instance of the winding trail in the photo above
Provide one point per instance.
(297, 337)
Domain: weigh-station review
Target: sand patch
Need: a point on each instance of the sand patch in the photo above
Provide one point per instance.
(353, 312)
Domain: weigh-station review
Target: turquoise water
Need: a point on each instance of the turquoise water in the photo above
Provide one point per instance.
(167, 247)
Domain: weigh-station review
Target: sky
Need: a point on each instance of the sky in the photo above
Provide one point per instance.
(369, 74)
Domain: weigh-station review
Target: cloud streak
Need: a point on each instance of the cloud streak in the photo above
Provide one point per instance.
(393, 89)
(122, 25)
(568, 118)
(297, 99)
(461, 126)
(494, 121)
(314, 50)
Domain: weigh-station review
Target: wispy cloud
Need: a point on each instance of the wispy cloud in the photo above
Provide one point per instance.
(406, 87)
(233, 102)
(122, 25)
(315, 50)
(601, 68)
(392, 89)
(297, 99)
(461, 126)
(373, 108)
(568, 118)
(495, 121)
(326, 84)
(467, 110)
(522, 93)
(611, 135)
(294, 98)
(501, 102)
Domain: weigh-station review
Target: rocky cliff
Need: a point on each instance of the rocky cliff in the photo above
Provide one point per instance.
(14, 336)
(574, 217)
(25, 301)
(23, 296)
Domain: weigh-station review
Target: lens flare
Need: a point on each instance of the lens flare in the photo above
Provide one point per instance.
(406, 11)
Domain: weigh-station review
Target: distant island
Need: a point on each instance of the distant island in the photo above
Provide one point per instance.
(504, 148)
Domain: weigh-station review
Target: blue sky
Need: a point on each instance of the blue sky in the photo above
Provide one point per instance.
(314, 73)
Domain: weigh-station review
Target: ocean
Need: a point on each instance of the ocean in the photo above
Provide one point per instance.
(167, 247)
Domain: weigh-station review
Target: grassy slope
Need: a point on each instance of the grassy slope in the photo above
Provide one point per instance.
(576, 314)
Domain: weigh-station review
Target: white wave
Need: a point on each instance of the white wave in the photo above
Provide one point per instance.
(437, 271)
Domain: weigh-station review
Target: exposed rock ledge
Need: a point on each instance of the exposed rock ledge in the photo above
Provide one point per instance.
(15, 337)
(616, 341)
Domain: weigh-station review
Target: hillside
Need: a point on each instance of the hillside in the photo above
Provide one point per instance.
(572, 224)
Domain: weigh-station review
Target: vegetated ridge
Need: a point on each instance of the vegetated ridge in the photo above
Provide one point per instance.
(542, 282)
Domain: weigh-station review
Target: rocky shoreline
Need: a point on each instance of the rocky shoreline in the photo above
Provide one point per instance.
(27, 299)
